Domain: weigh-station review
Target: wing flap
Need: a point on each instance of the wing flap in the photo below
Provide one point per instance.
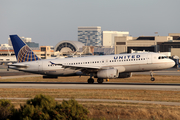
(80, 67)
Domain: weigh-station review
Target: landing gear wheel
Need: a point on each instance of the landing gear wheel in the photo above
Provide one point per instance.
(152, 79)
(90, 81)
(100, 80)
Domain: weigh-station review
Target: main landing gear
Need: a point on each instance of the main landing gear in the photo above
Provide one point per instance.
(152, 78)
(90, 80)
(100, 80)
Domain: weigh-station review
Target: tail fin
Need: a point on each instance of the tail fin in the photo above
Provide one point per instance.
(22, 51)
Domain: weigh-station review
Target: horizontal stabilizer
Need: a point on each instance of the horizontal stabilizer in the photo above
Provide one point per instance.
(18, 65)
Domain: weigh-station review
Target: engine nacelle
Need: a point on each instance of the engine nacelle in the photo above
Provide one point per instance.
(125, 75)
(108, 73)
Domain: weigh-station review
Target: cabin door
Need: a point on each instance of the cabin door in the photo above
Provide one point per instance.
(40, 65)
(149, 58)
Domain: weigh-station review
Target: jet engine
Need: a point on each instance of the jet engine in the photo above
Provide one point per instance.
(107, 73)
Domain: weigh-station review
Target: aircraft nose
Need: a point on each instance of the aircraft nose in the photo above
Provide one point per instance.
(172, 63)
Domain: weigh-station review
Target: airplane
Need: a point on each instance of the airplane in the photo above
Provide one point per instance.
(100, 67)
(4, 60)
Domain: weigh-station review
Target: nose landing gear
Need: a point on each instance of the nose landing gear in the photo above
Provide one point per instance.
(152, 78)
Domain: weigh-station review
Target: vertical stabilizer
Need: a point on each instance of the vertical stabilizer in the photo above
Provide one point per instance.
(22, 51)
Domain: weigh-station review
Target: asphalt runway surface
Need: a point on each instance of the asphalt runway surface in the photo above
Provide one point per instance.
(81, 85)
(168, 73)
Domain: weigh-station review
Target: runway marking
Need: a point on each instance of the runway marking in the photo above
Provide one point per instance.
(109, 100)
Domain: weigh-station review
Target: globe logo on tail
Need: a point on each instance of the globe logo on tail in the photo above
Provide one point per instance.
(26, 54)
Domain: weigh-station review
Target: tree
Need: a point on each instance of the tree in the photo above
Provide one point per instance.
(39, 108)
(71, 110)
(46, 108)
(6, 109)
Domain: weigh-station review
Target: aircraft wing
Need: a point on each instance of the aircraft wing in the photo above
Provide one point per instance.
(86, 69)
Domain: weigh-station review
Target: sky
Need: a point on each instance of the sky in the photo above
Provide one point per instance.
(48, 22)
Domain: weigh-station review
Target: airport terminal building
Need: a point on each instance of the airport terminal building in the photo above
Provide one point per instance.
(68, 47)
(108, 37)
(90, 36)
(93, 40)
(170, 43)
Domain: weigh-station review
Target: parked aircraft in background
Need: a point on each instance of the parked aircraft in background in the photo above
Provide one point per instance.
(101, 67)
(7, 59)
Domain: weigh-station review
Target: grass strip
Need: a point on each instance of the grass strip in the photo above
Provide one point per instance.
(124, 111)
(142, 95)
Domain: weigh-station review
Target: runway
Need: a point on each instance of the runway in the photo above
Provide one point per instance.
(168, 73)
(81, 85)
(84, 85)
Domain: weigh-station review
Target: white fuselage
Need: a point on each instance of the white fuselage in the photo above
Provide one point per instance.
(122, 62)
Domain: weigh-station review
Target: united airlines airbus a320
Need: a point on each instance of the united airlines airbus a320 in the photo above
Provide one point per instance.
(100, 67)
